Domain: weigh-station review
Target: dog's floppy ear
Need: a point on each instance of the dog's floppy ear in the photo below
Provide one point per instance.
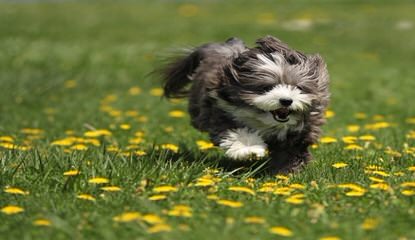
(319, 73)
(270, 44)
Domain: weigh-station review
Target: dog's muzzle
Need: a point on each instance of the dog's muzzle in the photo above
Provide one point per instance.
(281, 114)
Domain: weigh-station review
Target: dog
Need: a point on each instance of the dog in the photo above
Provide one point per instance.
(268, 100)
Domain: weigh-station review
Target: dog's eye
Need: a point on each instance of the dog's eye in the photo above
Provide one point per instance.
(300, 88)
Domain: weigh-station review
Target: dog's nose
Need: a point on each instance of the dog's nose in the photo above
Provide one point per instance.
(286, 101)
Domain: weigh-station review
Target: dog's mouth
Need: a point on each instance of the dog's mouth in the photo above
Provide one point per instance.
(281, 114)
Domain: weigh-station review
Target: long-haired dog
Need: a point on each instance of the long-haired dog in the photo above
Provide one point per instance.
(269, 99)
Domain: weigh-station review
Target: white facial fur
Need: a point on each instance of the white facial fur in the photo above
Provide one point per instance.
(270, 100)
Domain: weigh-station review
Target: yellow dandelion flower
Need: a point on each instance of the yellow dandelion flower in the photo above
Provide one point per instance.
(329, 114)
(14, 190)
(283, 191)
(330, 238)
(86, 197)
(32, 131)
(112, 149)
(71, 173)
(328, 140)
(340, 165)
(411, 168)
(11, 209)
(99, 180)
(354, 193)
(281, 177)
(266, 189)
(297, 186)
(64, 142)
(180, 211)
(369, 224)
(111, 189)
(393, 153)
(352, 186)
(157, 197)
(380, 173)
(408, 184)
(139, 153)
(353, 128)
(177, 114)
(398, 174)
(349, 139)
(378, 125)
(98, 133)
(295, 199)
(408, 192)
(171, 147)
(79, 147)
(157, 92)
(242, 189)
(127, 217)
(125, 126)
(282, 231)
(162, 227)
(165, 188)
(255, 220)
(134, 91)
(381, 186)
(42, 222)
(229, 203)
(353, 147)
(204, 145)
(360, 115)
(152, 219)
(188, 10)
(410, 120)
(212, 197)
(375, 179)
(367, 138)
(136, 140)
(6, 139)
(8, 145)
(92, 141)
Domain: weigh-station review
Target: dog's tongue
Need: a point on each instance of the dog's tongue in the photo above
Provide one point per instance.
(282, 113)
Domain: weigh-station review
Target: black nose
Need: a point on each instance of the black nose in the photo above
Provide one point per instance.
(286, 101)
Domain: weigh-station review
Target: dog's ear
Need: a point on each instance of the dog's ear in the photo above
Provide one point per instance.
(270, 44)
(318, 72)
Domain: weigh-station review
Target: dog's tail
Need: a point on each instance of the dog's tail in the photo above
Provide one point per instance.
(177, 74)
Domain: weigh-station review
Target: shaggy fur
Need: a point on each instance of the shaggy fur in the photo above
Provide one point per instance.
(269, 99)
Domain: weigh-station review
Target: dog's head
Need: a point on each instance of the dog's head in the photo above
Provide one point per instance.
(272, 86)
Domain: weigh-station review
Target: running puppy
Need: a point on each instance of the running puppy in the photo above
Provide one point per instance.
(253, 101)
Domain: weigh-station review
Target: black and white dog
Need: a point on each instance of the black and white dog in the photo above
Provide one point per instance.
(253, 101)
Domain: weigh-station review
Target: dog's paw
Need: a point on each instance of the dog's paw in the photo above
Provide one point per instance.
(243, 144)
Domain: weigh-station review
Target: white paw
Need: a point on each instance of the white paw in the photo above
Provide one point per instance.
(243, 144)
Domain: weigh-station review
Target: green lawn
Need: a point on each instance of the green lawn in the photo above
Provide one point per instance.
(76, 94)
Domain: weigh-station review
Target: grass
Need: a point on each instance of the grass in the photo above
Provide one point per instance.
(69, 68)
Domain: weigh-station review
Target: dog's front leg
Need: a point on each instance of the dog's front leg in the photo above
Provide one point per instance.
(242, 144)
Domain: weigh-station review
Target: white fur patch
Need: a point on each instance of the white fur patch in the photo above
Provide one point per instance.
(241, 144)
(270, 100)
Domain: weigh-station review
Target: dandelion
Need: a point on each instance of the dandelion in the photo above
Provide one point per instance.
(408, 184)
(134, 91)
(351, 186)
(42, 222)
(152, 219)
(157, 92)
(71, 173)
(157, 197)
(353, 147)
(355, 193)
(229, 203)
(282, 231)
(242, 189)
(408, 192)
(79, 147)
(14, 190)
(180, 211)
(411, 168)
(330, 238)
(99, 180)
(159, 228)
(360, 115)
(127, 217)
(283, 191)
(212, 197)
(6, 139)
(125, 126)
(353, 128)
(340, 165)
(328, 140)
(367, 138)
(188, 10)
(254, 220)
(139, 153)
(98, 133)
(171, 147)
(204, 145)
(297, 186)
(86, 197)
(281, 177)
(381, 186)
(378, 125)
(375, 179)
(111, 189)
(349, 139)
(378, 172)
(165, 188)
(369, 224)
(11, 209)
(410, 120)
(329, 114)
(295, 199)
(32, 131)
(177, 114)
